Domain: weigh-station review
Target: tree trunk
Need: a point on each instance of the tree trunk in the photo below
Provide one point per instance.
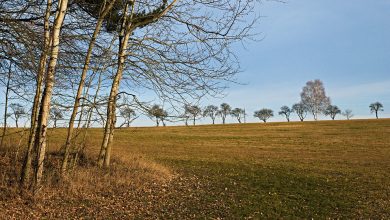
(105, 150)
(6, 105)
(239, 120)
(16, 122)
(25, 174)
(46, 96)
(213, 120)
(194, 121)
(376, 114)
(81, 85)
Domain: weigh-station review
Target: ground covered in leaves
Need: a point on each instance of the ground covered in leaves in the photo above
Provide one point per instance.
(329, 169)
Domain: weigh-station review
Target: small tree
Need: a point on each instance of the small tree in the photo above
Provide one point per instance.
(376, 107)
(264, 114)
(158, 113)
(300, 109)
(194, 111)
(211, 111)
(332, 111)
(224, 111)
(128, 114)
(286, 111)
(347, 113)
(56, 114)
(314, 98)
(238, 113)
(17, 112)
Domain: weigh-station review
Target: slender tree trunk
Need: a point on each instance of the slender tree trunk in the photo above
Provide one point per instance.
(376, 114)
(213, 120)
(6, 104)
(16, 122)
(25, 174)
(223, 119)
(239, 120)
(81, 84)
(194, 121)
(46, 96)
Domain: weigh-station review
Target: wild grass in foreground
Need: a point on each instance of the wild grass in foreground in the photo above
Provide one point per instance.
(327, 169)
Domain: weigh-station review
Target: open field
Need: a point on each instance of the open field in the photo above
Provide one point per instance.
(327, 169)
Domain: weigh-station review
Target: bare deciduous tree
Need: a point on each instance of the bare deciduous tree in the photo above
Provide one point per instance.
(211, 111)
(194, 111)
(301, 110)
(314, 98)
(347, 113)
(264, 114)
(56, 114)
(17, 112)
(332, 111)
(286, 111)
(158, 113)
(238, 113)
(224, 111)
(128, 114)
(375, 108)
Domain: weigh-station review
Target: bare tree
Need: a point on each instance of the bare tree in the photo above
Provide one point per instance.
(7, 91)
(128, 114)
(158, 113)
(301, 110)
(376, 107)
(264, 114)
(332, 111)
(347, 113)
(211, 111)
(314, 98)
(56, 114)
(17, 112)
(286, 111)
(194, 111)
(224, 111)
(104, 8)
(238, 113)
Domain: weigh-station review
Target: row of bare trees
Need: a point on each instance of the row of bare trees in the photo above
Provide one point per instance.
(91, 58)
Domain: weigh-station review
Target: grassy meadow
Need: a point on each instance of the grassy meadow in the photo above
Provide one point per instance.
(325, 169)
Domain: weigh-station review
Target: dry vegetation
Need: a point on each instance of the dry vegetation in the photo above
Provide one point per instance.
(333, 169)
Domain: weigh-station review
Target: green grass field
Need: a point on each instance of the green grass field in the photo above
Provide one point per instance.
(327, 169)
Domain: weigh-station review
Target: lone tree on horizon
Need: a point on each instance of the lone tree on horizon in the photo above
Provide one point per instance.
(376, 107)
(313, 96)
(300, 109)
(264, 114)
(286, 111)
(332, 111)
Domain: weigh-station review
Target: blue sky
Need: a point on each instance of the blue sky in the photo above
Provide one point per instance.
(345, 43)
